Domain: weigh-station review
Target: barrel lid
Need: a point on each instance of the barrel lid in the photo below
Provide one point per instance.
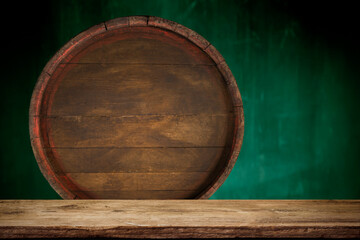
(136, 108)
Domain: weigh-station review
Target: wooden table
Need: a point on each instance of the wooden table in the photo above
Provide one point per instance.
(180, 218)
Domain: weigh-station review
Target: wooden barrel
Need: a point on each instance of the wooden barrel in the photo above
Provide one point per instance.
(136, 108)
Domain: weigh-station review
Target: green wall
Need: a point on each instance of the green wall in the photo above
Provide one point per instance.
(296, 65)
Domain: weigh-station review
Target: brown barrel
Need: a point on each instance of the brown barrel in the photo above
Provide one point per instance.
(136, 108)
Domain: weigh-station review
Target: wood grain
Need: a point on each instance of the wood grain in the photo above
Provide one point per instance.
(172, 181)
(135, 194)
(141, 45)
(138, 131)
(180, 218)
(138, 159)
(136, 107)
(117, 89)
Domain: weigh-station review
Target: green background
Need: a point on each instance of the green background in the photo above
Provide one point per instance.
(297, 69)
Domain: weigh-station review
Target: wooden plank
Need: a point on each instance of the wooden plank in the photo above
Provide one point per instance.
(176, 181)
(142, 45)
(116, 89)
(143, 194)
(180, 218)
(138, 131)
(111, 160)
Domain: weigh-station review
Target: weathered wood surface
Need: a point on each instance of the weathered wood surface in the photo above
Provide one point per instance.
(120, 89)
(138, 131)
(136, 107)
(180, 218)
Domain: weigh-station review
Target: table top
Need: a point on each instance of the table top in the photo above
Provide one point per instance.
(180, 218)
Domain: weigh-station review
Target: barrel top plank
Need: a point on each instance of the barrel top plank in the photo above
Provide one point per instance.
(180, 218)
